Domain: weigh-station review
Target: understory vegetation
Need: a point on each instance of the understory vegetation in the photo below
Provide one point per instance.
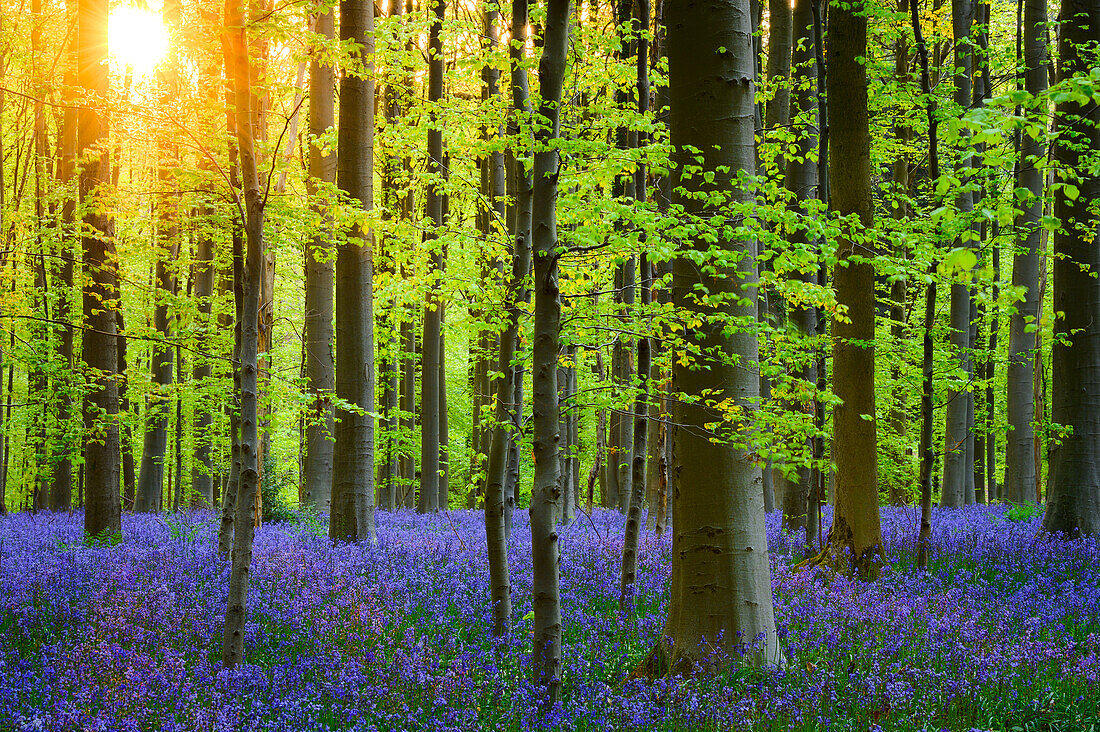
(1001, 633)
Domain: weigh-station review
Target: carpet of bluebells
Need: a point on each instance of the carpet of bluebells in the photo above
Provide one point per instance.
(1002, 633)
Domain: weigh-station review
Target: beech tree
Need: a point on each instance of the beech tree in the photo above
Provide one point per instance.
(854, 544)
(546, 491)
(352, 511)
(721, 587)
(1073, 503)
(102, 513)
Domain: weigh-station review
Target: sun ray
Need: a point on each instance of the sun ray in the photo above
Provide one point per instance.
(137, 38)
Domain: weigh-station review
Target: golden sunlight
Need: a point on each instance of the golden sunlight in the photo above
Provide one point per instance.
(137, 38)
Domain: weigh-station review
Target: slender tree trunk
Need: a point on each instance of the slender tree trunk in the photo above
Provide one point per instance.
(992, 489)
(629, 569)
(352, 509)
(202, 468)
(102, 512)
(546, 492)
(238, 71)
(496, 534)
(390, 348)
(721, 588)
(855, 539)
(927, 453)
(154, 454)
(62, 488)
(320, 368)
(408, 409)
(1073, 485)
(1023, 324)
(429, 395)
(958, 469)
(801, 180)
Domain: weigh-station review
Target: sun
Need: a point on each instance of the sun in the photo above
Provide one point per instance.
(136, 38)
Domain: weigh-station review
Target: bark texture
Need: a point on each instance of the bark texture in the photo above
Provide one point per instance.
(320, 367)
(1073, 485)
(855, 544)
(721, 601)
(351, 516)
(102, 513)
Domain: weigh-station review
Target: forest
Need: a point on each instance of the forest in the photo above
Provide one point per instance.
(593, 365)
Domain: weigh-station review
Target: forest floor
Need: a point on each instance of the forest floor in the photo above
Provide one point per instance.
(1002, 633)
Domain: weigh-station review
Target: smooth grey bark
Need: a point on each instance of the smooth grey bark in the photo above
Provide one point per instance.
(236, 280)
(1073, 485)
(320, 367)
(721, 589)
(102, 512)
(777, 112)
(505, 413)
(351, 517)
(390, 345)
(444, 431)
(801, 180)
(855, 542)
(958, 467)
(520, 180)
(129, 474)
(433, 205)
(150, 487)
(629, 568)
(202, 467)
(546, 492)
(927, 416)
(1020, 477)
(61, 489)
(238, 71)
(407, 463)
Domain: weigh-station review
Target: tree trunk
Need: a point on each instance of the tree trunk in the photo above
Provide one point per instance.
(721, 588)
(505, 413)
(801, 180)
(433, 202)
(546, 492)
(1073, 485)
(154, 454)
(1020, 471)
(62, 488)
(352, 508)
(102, 512)
(238, 71)
(320, 369)
(958, 468)
(855, 539)
(629, 569)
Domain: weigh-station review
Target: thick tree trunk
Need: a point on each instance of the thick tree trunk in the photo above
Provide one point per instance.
(855, 539)
(721, 588)
(433, 202)
(546, 492)
(320, 368)
(238, 72)
(352, 508)
(1020, 471)
(101, 450)
(1073, 485)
